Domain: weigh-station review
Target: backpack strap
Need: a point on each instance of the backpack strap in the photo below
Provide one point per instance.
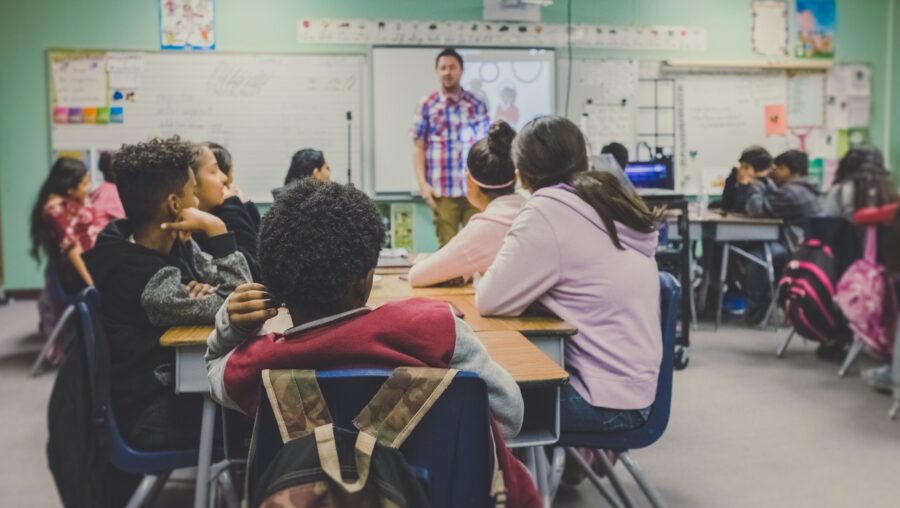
(401, 403)
(871, 243)
(331, 464)
(296, 401)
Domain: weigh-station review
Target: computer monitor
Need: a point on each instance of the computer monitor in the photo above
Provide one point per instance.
(651, 174)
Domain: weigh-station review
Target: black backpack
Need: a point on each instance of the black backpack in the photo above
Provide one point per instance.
(806, 293)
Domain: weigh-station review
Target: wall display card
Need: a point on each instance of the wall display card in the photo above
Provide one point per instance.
(504, 10)
(806, 100)
(187, 24)
(770, 27)
(776, 120)
(848, 99)
(815, 29)
(124, 69)
(605, 123)
(79, 81)
(499, 33)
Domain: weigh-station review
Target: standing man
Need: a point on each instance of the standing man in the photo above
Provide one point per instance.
(446, 125)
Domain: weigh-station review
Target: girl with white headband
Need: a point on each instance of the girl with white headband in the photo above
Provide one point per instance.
(490, 187)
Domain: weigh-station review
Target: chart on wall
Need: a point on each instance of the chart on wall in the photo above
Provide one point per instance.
(262, 107)
(515, 84)
(719, 116)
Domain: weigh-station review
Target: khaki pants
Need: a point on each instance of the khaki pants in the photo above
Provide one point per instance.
(449, 213)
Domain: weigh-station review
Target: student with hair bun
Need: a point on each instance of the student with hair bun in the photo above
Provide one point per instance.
(583, 247)
(490, 187)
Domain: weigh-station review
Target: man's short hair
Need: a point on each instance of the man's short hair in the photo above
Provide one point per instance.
(449, 52)
(795, 160)
(146, 173)
(316, 241)
(758, 157)
(619, 152)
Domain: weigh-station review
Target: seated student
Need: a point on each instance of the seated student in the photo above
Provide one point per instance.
(226, 166)
(753, 161)
(862, 165)
(583, 247)
(63, 227)
(319, 245)
(783, 193)
(886, 378)
(305, 163)
(213, 197)
(150, 278)
(106, 197)
(491, 188)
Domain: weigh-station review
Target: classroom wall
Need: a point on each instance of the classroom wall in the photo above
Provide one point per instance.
(894, 142)
(28, 29)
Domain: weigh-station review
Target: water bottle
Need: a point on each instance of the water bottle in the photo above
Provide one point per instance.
(702, 203)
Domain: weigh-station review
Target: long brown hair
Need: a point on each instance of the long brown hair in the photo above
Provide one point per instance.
(65, 175)
(551, 150)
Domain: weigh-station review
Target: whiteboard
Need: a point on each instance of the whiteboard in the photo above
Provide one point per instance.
(403, 76)
(262, 107)
(718, 116)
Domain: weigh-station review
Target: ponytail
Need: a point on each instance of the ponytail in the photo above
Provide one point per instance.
(614, 203)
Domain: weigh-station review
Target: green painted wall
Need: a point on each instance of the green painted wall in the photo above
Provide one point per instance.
(895, 99)
(28, 29)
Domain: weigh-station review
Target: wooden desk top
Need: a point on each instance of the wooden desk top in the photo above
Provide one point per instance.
(715, 217)
(392, 286)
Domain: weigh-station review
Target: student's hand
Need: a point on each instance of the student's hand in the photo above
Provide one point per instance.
(745, 176)
(427, 194)
(250, 306)
(192, 220)
(232, 191)
(199, 289)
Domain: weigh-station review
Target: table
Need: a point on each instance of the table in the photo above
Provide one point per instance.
(535, 362)
(729, 228)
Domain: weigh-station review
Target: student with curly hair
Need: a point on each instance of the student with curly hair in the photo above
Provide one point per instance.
(319, 245)
(151, 275)
(491, 188)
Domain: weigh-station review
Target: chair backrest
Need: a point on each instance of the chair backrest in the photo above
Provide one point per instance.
(653, 428)
(450, 448)
(121, 455)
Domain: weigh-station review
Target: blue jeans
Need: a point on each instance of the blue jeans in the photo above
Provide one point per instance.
(578, 415)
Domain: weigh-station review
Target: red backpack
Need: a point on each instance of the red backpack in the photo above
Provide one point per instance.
(806, 293)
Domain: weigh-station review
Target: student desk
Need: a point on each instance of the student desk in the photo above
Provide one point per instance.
(727, 229)
(535, 363)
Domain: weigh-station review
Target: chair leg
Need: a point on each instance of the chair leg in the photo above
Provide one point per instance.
(723, 274)
(854, 352)
(773, 292)
(229, 494)
(557, 466)
(38, 367)
(613, 479)
(895, 409)
(784, 346)
(656, 500)
(573, 454)
(541, 470)
(148, 486)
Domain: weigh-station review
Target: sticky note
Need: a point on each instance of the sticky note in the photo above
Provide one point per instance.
(89, 115)
(61, 115)
(116, 115)
(75, 115)
(102, 115)
(776, 120)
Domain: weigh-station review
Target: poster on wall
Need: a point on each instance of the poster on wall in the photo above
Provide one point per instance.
(815, 29)
(769, 36)
(187, 24)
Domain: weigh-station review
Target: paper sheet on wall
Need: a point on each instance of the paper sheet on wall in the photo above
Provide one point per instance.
(848, 97)
(187, 24)
(605, 123)
(500, 10)
(770, 27)
(609, 81)
(806, 100)
(79, 83)
(124, 69)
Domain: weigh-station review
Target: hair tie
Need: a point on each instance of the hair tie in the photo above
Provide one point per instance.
(486, 186)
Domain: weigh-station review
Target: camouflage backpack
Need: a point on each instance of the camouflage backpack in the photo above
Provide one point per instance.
(321, 465)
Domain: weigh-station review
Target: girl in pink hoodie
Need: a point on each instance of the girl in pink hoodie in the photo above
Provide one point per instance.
(490, 187)
(583, 247)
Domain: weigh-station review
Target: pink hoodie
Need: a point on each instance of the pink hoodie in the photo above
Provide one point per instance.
(558, 252)
(473, 249)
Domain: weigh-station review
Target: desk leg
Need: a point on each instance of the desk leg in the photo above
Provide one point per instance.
(723, 275)
(692, 264)
(770, 273)
(207, 429)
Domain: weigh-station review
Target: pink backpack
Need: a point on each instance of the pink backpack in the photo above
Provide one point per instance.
(862, 294)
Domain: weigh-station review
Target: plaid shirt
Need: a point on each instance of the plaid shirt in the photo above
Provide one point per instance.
(450, 126)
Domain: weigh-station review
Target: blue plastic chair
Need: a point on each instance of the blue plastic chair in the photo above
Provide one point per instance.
(58, 294)
(156, 466)
(450, 449)
(652, 430)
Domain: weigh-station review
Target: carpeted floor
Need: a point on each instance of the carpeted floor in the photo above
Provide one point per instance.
(747, 430)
